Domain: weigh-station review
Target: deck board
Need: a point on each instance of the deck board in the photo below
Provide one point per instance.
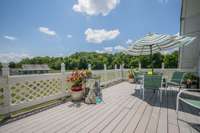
(123, 124)
(92, 115)
(173, 126)
(163, 120)
(154, 118)
(144, 121)
(123, 110)
(132, 125)
(100, 127)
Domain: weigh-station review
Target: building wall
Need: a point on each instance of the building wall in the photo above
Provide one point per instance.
(190, 26)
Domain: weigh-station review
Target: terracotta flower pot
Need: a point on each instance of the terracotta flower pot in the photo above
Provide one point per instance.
(76, 93)
(131, 80)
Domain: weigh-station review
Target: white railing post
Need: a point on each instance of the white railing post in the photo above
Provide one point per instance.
(115, 66)
(105, 72)
(121, 72)
(105, 67)
(89, 67)
(139, 66)
(116, 72)
(63, 77)
(6, 91)
(5, 70)
(163, 65)
(62, 68)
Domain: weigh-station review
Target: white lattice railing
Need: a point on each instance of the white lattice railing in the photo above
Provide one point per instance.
(21, 91)
(28, 90)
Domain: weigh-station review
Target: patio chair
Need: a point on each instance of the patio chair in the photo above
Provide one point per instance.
(194, 102)
(152, 82)
(138, 76)
(176, 80)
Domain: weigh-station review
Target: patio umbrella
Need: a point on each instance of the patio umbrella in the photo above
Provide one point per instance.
(154, 43)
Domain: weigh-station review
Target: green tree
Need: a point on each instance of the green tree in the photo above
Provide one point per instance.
(12, 65)
(80, 60)
(171, 60)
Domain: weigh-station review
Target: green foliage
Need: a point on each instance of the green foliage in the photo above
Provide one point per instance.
(171, 60)
(157, 60)
(191, 76)
(12, 65)
(81, 60)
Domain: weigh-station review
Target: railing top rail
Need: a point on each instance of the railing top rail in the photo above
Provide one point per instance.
(35, 75)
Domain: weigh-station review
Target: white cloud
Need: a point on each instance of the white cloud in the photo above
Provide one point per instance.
(100, 35)
(69, 36)
(108, 49)
(95, 7)
(100, 51)
(10, 38)
(129, 41)
(8, 57)
(47, 31)
(119, 48)
(177, 34)
(163, 1)
(111, 49)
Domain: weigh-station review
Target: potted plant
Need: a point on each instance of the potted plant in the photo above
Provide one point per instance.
(88, 73)
(190, 79)
(77, 78)
(131, 76)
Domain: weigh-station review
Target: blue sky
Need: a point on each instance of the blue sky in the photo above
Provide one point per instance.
(62, 27)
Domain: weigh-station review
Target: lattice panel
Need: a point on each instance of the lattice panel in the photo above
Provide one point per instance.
(29, 91)
(1, 96)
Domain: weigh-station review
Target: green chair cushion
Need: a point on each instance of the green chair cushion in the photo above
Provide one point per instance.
(152, 81)
(138, 76)
(194, 103)
(173, 83)
(177, 77)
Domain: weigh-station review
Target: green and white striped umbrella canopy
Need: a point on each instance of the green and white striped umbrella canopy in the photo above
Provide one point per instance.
(153, 43)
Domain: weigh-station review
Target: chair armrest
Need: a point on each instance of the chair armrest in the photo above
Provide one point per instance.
(178, 95)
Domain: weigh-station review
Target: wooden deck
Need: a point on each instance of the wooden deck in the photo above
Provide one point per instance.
(123, 110)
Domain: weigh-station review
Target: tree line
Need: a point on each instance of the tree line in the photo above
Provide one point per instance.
(80, 60)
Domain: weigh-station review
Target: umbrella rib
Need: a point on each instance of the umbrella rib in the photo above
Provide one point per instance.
(155, 40)
(158, 46)
(142, 50)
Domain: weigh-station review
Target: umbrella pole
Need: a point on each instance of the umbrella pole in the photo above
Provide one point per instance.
(151, 58)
